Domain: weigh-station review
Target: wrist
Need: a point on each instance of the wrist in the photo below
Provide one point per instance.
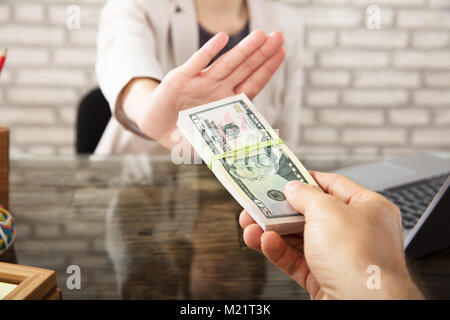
(401, 287)
(376, 284)
(391, 286)
(135, 98)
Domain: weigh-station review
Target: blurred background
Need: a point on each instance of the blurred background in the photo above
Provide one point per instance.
(366, 92)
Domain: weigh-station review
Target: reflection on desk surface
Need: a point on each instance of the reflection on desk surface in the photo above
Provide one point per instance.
(141, 227)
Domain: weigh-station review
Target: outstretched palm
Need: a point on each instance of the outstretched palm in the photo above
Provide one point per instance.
(246, 68)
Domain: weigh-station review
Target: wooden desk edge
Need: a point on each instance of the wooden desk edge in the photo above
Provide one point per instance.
(56, 294)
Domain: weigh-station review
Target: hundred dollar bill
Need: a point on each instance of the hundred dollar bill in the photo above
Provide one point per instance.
(248, 158)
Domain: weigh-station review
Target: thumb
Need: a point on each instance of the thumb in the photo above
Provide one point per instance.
(302, 196)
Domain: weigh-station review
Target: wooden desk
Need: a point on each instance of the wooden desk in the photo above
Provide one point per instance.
(142, 227)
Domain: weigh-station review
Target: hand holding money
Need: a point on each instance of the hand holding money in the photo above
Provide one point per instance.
(248, 158)
(246, 68)
(268, 181)
(349, 231)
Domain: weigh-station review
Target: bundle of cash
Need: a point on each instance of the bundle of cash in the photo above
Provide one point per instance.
(248, 158)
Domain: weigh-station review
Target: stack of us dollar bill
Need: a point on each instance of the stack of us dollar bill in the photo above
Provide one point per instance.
(248, 158)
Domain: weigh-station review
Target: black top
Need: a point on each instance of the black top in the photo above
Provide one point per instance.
(204, 36)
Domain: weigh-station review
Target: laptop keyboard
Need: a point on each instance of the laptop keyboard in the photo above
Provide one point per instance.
(414, 198)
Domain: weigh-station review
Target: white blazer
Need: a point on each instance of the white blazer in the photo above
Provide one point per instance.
(148, 38)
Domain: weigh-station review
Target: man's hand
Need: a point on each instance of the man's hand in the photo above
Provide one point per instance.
(246, 68)
(348, 228)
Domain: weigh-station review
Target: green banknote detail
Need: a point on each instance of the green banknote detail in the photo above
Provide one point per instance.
(251, 156)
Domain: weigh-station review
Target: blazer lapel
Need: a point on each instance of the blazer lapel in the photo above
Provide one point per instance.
(184, 33)
(256, 15)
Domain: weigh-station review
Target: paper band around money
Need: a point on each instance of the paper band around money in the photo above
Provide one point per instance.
(245, 151)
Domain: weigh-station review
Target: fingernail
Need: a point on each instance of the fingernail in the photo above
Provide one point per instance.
(292, 185)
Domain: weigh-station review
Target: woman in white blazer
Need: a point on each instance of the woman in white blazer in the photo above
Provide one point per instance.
(149, 65)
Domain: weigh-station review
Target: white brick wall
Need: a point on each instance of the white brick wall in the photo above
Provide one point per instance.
(386, 79)
(366, 92)
(384, 98)
(377, 91)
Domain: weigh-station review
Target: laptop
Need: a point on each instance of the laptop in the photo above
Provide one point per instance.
(419, 184)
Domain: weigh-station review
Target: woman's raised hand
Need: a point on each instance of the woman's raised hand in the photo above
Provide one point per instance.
(246, 68)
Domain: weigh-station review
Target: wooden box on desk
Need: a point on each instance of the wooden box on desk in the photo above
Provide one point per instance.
(28, 283)
(4, 167)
